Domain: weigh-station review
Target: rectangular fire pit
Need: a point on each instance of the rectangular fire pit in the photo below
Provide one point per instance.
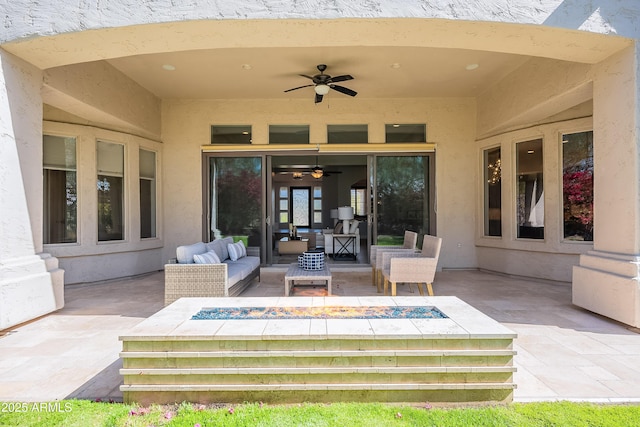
(453, 354)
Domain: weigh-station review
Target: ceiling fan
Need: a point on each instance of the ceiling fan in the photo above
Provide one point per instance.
(324, 82)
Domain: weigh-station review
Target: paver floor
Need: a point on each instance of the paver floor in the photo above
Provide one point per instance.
(564, 352)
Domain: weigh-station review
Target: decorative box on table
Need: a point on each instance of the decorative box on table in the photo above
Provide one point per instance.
(311, 260)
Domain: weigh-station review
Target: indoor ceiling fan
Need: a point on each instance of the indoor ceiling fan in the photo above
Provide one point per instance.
(324, 82)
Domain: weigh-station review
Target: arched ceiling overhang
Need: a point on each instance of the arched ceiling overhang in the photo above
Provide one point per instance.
(253, 59)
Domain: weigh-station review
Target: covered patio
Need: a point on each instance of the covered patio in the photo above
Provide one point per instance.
(563, 352)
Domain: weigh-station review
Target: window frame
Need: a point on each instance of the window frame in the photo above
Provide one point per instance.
(125, 193)
(561, 134)
(77, 186)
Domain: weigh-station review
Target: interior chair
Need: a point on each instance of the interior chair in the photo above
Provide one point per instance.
(417, 267)
(408, 244)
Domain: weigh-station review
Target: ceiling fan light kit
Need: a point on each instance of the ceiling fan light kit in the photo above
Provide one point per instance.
(317, 172)
(323, 83)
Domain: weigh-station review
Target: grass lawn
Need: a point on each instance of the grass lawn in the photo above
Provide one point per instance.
(71, 413)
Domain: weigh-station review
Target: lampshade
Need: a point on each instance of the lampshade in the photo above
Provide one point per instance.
(334, 213)
(322, 89)
(345, 212)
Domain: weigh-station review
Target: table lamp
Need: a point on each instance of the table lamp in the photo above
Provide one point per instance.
(345, 214)
(334, 216)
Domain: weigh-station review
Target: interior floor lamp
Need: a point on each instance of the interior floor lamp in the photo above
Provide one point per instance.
(345, 214)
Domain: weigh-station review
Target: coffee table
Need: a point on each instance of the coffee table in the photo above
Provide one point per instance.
(297, 273)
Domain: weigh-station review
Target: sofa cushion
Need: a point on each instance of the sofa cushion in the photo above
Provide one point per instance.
(249, 263)
(216, 246)
(235, 272)
(206, 258)
(225, 245)
(184, 254)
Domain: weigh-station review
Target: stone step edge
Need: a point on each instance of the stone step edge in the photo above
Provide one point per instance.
(320, 337)
(314, 370)
(300, 387)
(314, 353)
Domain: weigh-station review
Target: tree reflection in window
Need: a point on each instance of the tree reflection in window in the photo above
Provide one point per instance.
(577, 186)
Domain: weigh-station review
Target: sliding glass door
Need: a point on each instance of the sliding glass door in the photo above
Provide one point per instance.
(402, 197)
(235, 205)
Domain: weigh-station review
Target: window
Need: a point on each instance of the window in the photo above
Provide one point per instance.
(230, 134)
(147, 194)
(577, 186)
(110, 191)
(358, 198)
(288, 134)
(284, 205)
(405, 133)
(317, 205)
(530, 201)
(60, 190)
(492, 192)
(347, 134)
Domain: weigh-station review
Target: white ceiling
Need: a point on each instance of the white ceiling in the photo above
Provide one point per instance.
(265, 73)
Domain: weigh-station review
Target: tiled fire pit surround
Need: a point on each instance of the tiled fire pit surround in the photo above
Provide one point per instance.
(467, 357)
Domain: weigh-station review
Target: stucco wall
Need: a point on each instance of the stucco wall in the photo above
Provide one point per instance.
(450, 124)
(29, 285)
(24, 19)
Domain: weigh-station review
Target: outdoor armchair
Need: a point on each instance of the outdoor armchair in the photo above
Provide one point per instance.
(408, 244)
(417, 267)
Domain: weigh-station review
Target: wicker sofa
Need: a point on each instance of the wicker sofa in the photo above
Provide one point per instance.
(184, 278)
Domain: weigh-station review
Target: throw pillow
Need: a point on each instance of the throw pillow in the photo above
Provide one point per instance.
(338, 228)
(242, 247)
(354, 226)
(206, 258)
(233, 252)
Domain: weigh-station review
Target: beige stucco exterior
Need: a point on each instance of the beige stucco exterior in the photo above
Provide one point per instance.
(565, 70)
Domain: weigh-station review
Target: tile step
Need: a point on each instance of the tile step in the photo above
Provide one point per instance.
(294, 387)
(313, 353)
(331, 370)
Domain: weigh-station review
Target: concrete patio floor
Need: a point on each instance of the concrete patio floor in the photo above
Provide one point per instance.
(564, 352)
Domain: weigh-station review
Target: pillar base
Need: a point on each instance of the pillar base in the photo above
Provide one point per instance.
(30, 287)
(608, 284)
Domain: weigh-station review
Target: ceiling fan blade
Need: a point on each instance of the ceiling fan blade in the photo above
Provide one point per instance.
(344, 90)
(304, 75)
(296, 88)
(341, 78)
(318, 98)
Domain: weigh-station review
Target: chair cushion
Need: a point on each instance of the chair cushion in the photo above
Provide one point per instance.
(185, 253)
(206, 258)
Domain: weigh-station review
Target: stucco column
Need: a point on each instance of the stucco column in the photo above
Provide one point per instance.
(607, 281)
(31, 284)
